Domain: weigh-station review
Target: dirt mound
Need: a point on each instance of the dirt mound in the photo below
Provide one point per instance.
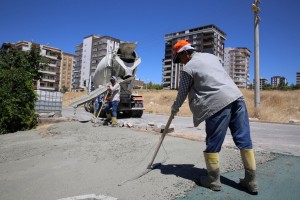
(69, 96)
(276, 106)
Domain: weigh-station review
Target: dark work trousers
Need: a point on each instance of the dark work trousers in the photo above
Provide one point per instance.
(114, 107)
(234, 116)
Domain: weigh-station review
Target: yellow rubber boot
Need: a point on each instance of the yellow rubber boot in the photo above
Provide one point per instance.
(114, 122)
(249, 181)
(96, 113)
(212, 180)
(108, 116)
(107, 120)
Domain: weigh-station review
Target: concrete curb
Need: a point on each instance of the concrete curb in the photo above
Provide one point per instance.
(291, 121)
(53, 120)
(284, 123)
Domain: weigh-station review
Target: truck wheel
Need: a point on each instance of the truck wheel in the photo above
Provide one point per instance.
(137, 113)
(89, 106)
(127, 114)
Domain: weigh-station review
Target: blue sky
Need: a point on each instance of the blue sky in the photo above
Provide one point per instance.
(64, 23)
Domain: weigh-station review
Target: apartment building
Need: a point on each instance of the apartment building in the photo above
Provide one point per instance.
(51, 71)
(275, 80)
(57, 71)
(209, 39)
(297, 78)
(262, 82)
(237, 64)
(88, 54)
(66, 70)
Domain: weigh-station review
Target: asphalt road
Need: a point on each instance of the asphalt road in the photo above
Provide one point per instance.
(272, 137)
(278, 138)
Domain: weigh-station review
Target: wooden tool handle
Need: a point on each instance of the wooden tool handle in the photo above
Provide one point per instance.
(161, 140)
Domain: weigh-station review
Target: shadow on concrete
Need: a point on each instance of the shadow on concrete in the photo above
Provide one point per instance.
(190, 172)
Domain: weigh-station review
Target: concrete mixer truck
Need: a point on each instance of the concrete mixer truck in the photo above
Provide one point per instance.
(121, 63)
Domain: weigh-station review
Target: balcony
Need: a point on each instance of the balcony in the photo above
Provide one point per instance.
(239, 72)
(208, 44)
(52, 65)
(47, 72)
(167, 72)
(167, 66)
(48, 80)
(46, 88)
(55, 57)
(238, 68)
(77, 68)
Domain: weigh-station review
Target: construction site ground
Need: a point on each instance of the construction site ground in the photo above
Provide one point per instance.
(74, 158)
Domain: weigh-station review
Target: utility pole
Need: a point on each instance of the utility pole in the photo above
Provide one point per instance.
(256, 11)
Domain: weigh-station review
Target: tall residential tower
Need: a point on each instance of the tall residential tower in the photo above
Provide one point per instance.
(236, 64)
(66, 70)
(88, 55)
(209, 39)
(276, 80)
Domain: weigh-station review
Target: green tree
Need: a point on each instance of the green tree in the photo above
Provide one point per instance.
(64, 89)
(151, 85)
(18, 69)
(267, 87)
(36, 61)
(294, 87)
(250, 86)
(282, 85)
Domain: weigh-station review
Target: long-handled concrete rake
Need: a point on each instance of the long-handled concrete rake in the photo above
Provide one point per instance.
(161, 141)
(150, 165)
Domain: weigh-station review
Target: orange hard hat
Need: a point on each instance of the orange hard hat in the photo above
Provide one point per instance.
(181, 45)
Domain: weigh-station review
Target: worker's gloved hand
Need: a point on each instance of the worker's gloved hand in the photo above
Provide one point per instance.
(174, 110)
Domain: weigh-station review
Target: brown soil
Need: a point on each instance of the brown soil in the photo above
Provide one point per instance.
(275, 106)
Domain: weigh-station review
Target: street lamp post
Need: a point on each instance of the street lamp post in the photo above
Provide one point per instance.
(256, 11)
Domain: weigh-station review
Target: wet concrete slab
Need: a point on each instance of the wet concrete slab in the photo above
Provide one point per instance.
(277, 179)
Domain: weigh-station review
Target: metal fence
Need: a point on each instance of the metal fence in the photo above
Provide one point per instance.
(49, 102)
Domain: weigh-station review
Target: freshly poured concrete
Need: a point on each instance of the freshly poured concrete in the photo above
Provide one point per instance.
(71, 158)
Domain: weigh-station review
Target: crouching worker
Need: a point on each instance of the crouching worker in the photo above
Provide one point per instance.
(113, 99)
(214, 98)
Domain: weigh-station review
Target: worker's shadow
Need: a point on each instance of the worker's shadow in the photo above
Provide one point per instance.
(188, 171)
